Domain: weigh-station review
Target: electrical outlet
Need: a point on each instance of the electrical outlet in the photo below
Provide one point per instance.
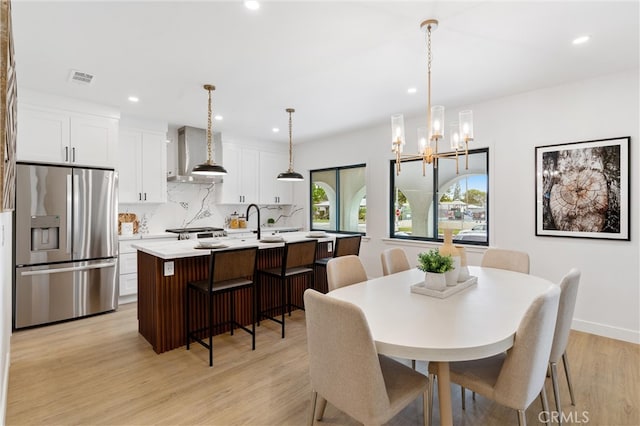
(168, 269)
(330, 246)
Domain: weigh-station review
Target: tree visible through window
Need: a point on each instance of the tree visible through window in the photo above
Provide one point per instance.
(338, 199)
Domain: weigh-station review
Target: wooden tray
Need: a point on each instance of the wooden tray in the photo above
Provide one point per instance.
(442, 294)
(127, 217)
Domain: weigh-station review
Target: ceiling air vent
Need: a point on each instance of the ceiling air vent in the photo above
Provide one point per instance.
(80, 77)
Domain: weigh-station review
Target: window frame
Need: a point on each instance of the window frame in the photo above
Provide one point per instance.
(434, 224)
(338, 198)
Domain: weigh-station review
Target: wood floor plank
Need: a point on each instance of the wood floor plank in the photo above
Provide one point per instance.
(100, 371)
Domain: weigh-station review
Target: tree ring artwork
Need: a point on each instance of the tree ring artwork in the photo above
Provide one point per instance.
(582, 189)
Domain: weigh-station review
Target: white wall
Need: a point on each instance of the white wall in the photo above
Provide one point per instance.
(606, 107)
(5, 308)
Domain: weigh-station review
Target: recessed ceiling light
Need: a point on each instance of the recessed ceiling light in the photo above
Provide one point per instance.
(252, 5)
(218, 117)
(581, 40)
(133, 99)
(275, 130)
(412, 90)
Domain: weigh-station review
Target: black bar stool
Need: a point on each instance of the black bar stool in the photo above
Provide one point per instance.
(229, 271)
(297, 260)
(344, 246)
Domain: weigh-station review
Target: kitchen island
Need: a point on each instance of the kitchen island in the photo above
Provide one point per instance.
(165, 267)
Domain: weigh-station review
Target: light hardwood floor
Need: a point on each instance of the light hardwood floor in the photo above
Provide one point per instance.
(99, 370)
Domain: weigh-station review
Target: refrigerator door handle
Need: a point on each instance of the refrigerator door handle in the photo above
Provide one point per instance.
(77, 242)
(70, 269)
(69, 199)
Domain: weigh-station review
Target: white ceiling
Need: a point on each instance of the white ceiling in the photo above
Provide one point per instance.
(341, 65)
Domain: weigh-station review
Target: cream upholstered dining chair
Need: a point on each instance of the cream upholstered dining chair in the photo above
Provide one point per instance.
(516, 377)
(345, 270)
(511, 260)
(394, 260)
(346, 370)
(568, 295)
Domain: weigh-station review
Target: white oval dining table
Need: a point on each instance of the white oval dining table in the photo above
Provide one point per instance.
(478, 322)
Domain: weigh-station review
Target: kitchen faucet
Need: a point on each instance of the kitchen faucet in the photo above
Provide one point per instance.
(258, 213)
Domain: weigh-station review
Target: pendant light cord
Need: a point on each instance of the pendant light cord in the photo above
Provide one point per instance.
(430, 130)
(290, 111)
(209, 148)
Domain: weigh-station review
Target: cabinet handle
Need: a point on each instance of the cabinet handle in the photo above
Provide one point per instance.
(66, 153)
(73, 154)
(139, 196)
(145, 196)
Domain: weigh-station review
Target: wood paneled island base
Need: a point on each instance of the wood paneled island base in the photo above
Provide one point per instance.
(161, 298)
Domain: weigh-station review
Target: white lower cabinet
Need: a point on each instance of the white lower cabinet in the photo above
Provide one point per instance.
(128, 257)
(128, 272)
(129, 287)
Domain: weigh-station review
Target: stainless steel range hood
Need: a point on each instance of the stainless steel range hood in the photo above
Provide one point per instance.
(192, 150)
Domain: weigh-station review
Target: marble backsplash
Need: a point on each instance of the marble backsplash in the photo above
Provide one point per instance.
(191, 204)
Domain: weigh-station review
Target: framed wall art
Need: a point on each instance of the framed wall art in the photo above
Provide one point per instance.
(582, 189)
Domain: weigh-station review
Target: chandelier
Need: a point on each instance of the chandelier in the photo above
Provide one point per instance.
(290, 175)
(461, 132)
(210, 168)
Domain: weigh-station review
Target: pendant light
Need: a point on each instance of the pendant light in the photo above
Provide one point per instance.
(290, 175)
(428, 137)
(210, 168)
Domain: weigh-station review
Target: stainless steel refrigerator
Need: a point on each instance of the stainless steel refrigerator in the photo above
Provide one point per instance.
(66, 243)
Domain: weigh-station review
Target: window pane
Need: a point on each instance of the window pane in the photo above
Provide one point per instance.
(353, 201)
(323, 200)
(413, 201)
(338, 199)
(462, 198)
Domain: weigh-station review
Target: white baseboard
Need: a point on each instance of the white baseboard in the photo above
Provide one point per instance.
(632, 336)
(123, 300)
(5, 389)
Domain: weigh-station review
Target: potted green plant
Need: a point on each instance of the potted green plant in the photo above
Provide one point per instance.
(270, 222)
(435, 265)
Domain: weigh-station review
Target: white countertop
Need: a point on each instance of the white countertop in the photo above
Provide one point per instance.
(147, 236)
(264, 229)
(186, 248)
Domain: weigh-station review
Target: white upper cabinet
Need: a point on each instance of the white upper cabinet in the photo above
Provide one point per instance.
(65, 131)
(273, 191)
(93, 140)
(42, 136)
(142, 166)
(240, 184)
(59, 137)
